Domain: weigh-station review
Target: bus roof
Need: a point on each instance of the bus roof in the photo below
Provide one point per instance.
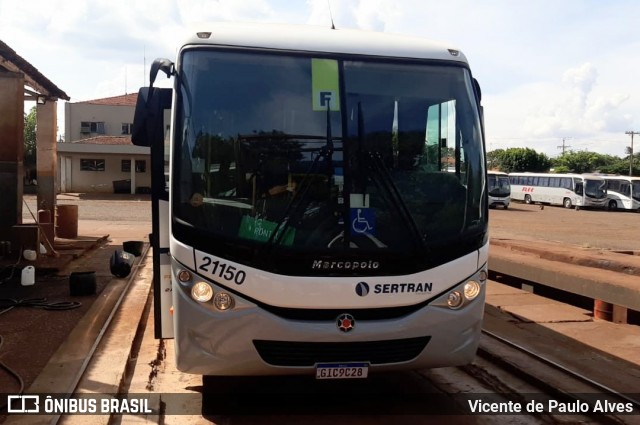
(575, 175)
(616, 177)
(307, 38)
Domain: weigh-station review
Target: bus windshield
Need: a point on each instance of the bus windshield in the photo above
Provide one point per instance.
(636, 190)
(291, 153)
(499, 185)
(595, 188)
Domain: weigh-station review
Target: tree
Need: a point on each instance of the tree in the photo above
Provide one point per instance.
(520, 159)
(525, 159)
(583, 162)
(30, 122)
(493, 159)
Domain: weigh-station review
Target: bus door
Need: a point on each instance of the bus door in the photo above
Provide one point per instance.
(150, 128)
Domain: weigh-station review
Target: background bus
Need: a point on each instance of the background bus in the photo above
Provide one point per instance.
(623, 192)
(568, 190)
(499, 189)
(310, 224)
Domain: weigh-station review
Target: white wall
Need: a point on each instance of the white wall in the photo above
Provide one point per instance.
(112, 115)
(79, 181)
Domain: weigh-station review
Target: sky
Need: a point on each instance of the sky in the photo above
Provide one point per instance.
(553, 73)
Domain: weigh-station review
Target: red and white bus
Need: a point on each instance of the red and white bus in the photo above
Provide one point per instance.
(568, 190)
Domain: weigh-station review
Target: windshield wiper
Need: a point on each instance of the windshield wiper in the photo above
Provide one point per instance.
(294, 205)
(385, 182)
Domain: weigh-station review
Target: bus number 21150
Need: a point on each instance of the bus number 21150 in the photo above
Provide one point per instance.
(222, 270)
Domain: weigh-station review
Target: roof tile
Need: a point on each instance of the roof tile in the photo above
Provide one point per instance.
(106, 140)
(122, 100)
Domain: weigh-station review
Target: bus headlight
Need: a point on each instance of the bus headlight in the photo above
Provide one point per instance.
(201, 292)
(471, 290)
(454, 299)
(463, 294)
(223, 301)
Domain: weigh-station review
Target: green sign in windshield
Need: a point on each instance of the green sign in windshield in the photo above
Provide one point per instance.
(325, 84)
(260, 230)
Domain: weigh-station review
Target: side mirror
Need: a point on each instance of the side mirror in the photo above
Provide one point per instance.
(160, 64)
(148, 120)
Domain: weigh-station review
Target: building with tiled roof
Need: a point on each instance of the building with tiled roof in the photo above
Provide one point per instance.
(111, 116)
(97, 155)
(122, 100)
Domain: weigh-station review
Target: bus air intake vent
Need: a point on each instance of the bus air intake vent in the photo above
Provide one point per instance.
(307, 354)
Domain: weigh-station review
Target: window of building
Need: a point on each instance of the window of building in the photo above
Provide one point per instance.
(127, 127)
(141, 166)
(92, 165)
(87, 127)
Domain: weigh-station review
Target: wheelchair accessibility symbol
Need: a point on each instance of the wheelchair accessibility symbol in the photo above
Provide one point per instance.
(363, 220)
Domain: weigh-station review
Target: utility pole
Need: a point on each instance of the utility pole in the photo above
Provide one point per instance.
(631, 133)
(564, 146)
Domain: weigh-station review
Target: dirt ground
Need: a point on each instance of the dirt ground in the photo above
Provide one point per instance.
(30, 334)
(614, 230)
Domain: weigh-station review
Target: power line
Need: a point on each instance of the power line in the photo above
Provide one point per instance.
(631, 133)
(564, 146)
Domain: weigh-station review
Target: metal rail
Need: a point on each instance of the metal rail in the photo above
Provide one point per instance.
(562, 368)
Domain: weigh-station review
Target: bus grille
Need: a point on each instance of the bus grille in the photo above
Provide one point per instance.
(285, 353)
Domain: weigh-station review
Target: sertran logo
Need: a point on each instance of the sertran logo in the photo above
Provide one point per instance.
(362, 289)
(345, 322)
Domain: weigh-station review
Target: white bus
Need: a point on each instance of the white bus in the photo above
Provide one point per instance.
(310, 225)
(499, 189)
(568, 190)
(623, 192)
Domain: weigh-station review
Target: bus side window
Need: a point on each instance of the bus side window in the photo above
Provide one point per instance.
(625, 189)
(579, 188)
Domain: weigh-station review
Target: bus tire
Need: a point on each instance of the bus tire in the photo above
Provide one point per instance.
(613, 205)
(527, 199)
(567, 202)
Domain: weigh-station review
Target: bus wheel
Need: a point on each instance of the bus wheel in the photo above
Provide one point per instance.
(527, 199)
(567, 202)
(613, 205)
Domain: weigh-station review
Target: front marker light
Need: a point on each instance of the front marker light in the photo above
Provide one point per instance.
(184, 276)
(483, 276)
(223, 301)
(471, 290)
(201, 292)
(454, 300)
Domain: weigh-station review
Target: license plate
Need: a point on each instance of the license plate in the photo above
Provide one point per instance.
(342, 370)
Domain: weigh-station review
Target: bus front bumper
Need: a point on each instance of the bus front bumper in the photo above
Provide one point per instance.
(225, 343)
